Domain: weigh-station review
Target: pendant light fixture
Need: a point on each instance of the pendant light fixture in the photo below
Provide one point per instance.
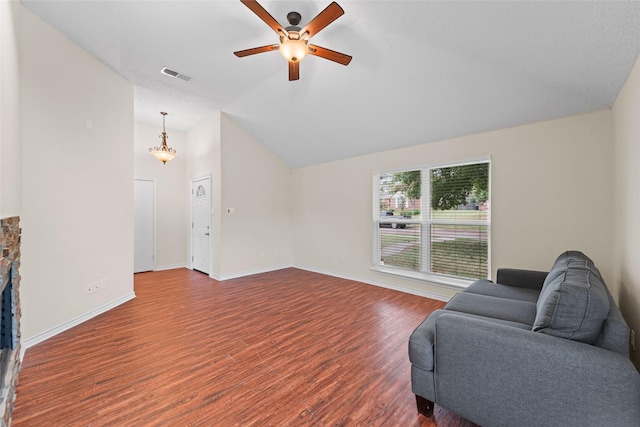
(164, 153)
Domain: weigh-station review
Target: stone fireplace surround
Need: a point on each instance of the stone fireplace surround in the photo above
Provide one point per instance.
(10, 276)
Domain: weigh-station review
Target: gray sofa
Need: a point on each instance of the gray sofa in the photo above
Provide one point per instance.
(533, 349)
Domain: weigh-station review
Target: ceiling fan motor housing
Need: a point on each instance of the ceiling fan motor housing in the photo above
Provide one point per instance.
(294, 18)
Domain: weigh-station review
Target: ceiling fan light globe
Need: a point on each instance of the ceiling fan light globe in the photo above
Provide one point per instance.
(293, 50)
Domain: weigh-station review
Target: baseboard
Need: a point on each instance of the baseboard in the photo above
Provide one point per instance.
(406, 290)
(26, 344)
(170, 267)
(248, 273)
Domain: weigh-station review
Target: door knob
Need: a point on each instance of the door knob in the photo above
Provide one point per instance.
(206, 234)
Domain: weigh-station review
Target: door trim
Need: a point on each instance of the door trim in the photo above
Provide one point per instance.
(191, 242)
(155, 219)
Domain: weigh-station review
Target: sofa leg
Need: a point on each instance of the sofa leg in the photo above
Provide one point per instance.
(425, 407)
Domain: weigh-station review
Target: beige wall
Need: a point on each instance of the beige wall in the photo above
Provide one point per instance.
(249, 178)
(550, 184)
(171, 194)
(77, 195)
(256, 184)
(10, 158)
(626, 203)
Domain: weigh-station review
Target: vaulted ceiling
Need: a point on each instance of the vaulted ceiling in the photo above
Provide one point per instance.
(422, 71)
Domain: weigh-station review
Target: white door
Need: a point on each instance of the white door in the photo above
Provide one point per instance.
(200, 223)
(144, 225)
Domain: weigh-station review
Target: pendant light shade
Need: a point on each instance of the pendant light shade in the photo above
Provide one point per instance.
(164, 153)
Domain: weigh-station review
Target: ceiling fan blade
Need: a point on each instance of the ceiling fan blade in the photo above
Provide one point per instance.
(294, 71)
(329, 54)
(324, 18)
(253, 51)
(265, 16)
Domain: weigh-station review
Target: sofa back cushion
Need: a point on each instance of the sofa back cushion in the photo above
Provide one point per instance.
(574, 301)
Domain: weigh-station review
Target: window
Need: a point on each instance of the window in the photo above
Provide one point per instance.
(433, 223)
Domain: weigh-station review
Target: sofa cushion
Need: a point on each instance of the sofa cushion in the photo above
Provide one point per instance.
(493, 307)
(485, 287)
(574, 301)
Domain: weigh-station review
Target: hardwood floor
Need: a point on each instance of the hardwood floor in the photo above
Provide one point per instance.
(285, 348)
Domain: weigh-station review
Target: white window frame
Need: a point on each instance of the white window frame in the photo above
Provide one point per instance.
(425, 225)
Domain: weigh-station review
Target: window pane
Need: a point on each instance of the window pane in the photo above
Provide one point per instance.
(460, 250)
(399, 194)
(400, 247)
(460, 193)
(434, 221)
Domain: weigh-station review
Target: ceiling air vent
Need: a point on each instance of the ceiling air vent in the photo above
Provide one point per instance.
(172, 73)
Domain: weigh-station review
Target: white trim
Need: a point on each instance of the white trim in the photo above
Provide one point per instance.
(432, 279)
(464, 162)
(170, 267)
(406, 290)
(155, 220)
(26, 344)
(412, 291)
(249, 273)
(490, 219)
(211, 221)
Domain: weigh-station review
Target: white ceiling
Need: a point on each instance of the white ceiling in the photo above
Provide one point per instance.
(422, 71)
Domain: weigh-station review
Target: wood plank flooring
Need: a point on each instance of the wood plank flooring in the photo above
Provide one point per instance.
(286, 348)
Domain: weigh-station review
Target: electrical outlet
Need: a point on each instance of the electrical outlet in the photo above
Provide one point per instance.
(632, 337)
(103, 284)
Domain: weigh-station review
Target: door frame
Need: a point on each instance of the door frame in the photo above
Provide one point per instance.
(191, 241)
(155, 220)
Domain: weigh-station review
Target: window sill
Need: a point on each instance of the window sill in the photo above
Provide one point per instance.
(434, 279)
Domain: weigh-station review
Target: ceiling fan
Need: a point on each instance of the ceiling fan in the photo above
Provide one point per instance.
(294, 40)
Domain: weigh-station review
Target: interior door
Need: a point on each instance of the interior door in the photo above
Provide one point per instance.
(200, 223)
(144, 225)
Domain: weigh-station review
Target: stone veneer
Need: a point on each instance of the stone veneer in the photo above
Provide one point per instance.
(10, 266)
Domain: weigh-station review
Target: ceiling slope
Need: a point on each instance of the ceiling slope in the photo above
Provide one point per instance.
(421, 71)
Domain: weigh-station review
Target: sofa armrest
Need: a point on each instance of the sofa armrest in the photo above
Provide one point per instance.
(494, 374)
(521, 278)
